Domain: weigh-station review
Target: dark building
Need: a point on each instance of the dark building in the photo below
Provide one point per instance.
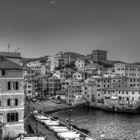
(99, 55)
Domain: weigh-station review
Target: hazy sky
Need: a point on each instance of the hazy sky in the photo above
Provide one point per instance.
(43, 27)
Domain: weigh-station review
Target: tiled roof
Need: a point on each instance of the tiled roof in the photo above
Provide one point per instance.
(10, 54)
(7, 64)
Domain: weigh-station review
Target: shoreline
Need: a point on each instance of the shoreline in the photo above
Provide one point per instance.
(50, 107)
(63, 109)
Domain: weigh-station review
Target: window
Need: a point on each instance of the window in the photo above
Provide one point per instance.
(13, 85)
(127, 98)
(8, 102)
(9, 85)
(12, 117)
(29, 86)
(16, 102)
(120, 97)
(3, 72)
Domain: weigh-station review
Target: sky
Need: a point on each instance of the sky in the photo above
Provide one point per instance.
(44, 27)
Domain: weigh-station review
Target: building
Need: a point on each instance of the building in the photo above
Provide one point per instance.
(12, 56)
(89, 89)
(11, 98)
(99, 55)
(79, 76)
(35, 65)
(122, 98)
(80, 63)
(61, 74)
(65, 84)
(30, 87)
(74, 94)
(131, 71)
(53, 85)
(56, 61)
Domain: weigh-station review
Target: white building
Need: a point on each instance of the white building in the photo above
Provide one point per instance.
(128, 70)
(80, 63)
(122, 97)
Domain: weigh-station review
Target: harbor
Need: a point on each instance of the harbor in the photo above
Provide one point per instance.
(114, 125)
(54, 129)
(35, 120)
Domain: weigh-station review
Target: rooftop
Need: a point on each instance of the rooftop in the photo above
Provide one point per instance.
(7, 64)
(11, 54)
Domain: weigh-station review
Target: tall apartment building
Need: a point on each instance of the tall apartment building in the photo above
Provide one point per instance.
(131, 71)
(99, 55)
(53, 85)
(72, 91)
(11, 98)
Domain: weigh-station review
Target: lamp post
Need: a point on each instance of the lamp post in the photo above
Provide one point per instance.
(70, 118)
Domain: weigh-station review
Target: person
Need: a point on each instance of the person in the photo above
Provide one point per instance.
(71, 127)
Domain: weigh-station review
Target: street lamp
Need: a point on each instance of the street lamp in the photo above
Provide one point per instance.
(69, 120)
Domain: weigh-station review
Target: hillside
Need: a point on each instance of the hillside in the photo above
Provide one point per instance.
(42, 59)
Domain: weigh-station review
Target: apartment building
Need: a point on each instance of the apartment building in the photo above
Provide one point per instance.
(89, 89)
(11, 98)
(122, 97)
(131, 71)
(80, 63)
(73, 92)
(30, 87)
(79, 76)
(128, 70)
(53, 85)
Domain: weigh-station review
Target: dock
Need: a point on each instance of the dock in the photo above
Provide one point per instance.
(39, 128)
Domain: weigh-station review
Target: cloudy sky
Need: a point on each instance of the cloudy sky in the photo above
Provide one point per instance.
(43, 27)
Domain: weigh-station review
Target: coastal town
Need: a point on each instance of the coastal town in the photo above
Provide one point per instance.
(33, 89)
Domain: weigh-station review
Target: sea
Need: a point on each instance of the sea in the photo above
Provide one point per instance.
(113, 125)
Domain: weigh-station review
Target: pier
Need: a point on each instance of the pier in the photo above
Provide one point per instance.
(39, 128)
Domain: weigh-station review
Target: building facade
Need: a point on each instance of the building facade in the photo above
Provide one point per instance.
(99, 55)
(131, 71)
(11, 98)
(80, 63)
(53, 85)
